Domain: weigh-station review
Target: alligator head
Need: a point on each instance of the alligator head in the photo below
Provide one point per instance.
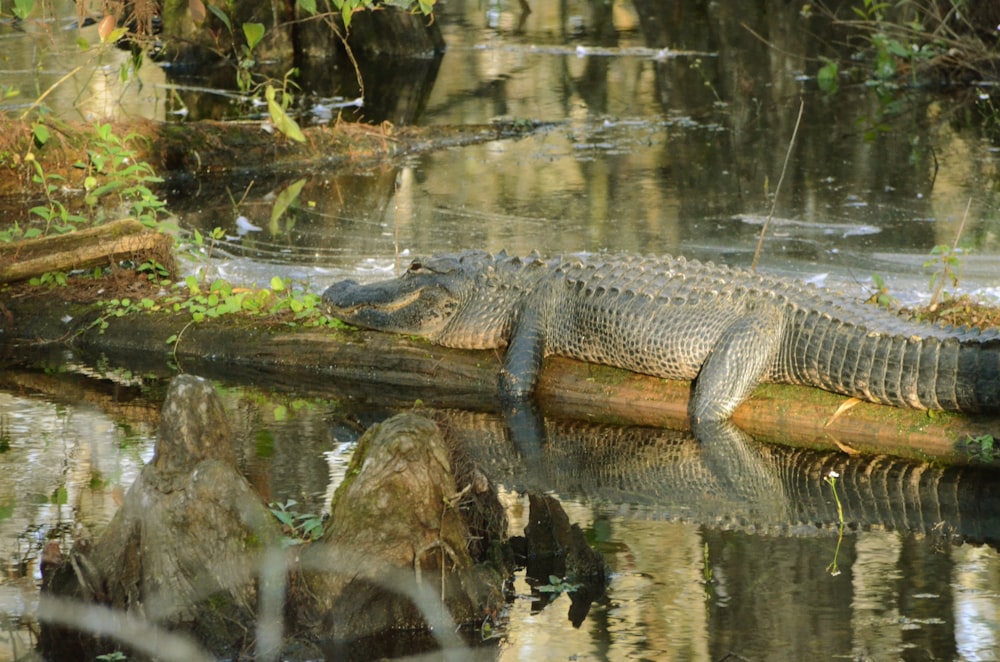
(466, 300)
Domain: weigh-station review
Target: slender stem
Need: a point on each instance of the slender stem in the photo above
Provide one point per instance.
(777, 189)
(49, 91)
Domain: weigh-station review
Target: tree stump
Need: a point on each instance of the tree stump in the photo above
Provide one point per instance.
(398, 544)
(183, 550)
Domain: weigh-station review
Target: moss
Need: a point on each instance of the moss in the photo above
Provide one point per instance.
(358, 458)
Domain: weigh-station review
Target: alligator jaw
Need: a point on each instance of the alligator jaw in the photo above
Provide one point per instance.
(390, 306)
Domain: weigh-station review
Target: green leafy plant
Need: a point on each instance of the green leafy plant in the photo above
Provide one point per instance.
(913, 40)
(945, 265)
(214, 237)
(154, 271)
(983, 447)
(114, 169)
(881, 296)
(282, 302)
(558, 585)
(114, 177)
(51, 279)
(55, 214)
(113, 308)
(253, 32)
(298, 527)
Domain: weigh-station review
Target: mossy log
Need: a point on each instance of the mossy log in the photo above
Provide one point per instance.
(101, 245)
(335, 362)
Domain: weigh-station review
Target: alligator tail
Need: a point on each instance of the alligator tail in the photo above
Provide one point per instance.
(950, 370)
(939, 373)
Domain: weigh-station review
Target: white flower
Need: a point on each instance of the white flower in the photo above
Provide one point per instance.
(833, 474)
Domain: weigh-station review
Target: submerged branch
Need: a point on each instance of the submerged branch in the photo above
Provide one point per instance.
(211, 149)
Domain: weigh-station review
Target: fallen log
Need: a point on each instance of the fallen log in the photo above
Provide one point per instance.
(335, 362)
(100, 245)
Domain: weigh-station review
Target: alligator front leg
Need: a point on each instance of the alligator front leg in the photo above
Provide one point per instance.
(519, 374)
(522, 363)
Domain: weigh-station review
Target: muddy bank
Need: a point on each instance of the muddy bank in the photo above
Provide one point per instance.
(324, 361)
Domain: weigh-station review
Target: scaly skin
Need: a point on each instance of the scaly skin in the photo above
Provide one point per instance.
(725, 329)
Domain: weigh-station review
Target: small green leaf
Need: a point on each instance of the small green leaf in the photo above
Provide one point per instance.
(115, 36)
(282, 121)
(41, 133)
(284, 517)
(826, 77)
(285, 199)
(254, 32)
(219, 14)
(23, 8)
(277, 284)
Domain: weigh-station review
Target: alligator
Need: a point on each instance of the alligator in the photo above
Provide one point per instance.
(725, 329)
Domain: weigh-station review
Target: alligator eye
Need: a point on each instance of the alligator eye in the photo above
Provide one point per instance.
(416, 266)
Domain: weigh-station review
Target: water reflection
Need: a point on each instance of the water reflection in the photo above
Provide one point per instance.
(698, 571)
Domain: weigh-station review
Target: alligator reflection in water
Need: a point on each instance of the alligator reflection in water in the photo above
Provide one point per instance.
(663, 474)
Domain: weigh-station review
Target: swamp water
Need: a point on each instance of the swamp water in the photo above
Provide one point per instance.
(651, 151)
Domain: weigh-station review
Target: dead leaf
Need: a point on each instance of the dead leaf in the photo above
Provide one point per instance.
(844, 447)
(105, 27)
(847, 404)
(197, 10)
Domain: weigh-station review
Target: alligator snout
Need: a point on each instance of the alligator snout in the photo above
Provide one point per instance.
(343, 294)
